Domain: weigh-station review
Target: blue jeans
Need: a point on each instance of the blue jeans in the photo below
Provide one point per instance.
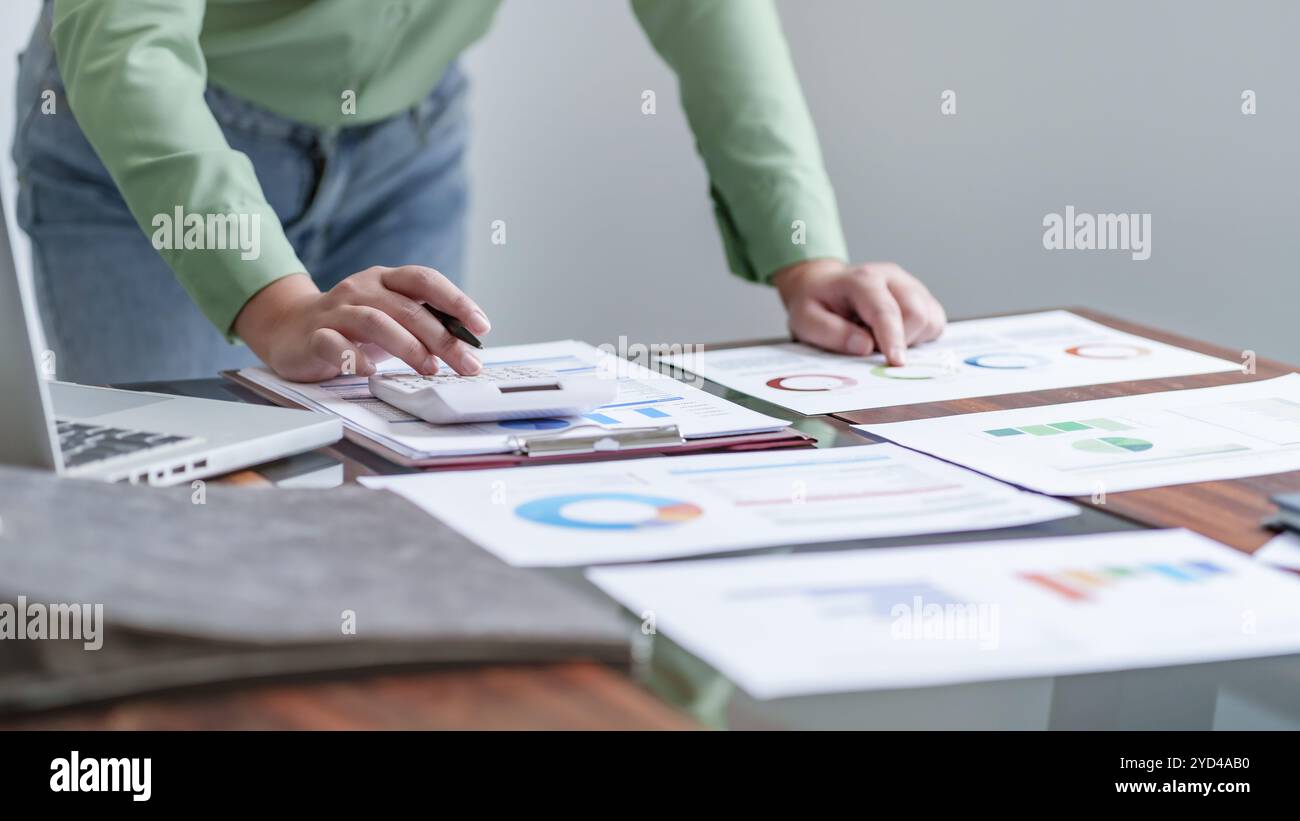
(391, 193)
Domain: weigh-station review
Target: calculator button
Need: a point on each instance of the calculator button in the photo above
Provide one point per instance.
(414, 382)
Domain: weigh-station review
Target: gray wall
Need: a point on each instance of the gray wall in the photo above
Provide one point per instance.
(1108, 106)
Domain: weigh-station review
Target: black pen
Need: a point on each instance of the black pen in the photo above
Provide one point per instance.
(453, 326)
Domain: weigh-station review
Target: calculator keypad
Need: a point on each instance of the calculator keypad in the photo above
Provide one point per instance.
(412, 382)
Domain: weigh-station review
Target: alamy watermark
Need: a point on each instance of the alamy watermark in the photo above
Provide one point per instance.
(126, 775)
(651, 356)
(1076, 231)
(193, 231)
(27, 621)
(947, 621)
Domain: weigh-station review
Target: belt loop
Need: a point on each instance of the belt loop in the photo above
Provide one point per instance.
(324, 144)
(421, 115)
(327, 140)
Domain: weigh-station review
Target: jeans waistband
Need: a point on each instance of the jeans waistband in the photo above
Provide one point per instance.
(236, 112)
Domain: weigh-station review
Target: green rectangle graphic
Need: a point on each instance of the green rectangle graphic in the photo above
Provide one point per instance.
(1040, 430)
(1067, 426)
(1107, 424)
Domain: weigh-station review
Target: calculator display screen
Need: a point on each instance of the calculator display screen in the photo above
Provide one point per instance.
(525, 388)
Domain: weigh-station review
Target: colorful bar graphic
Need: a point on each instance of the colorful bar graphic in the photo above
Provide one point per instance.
(1063, 590)
(1053, 428)
(1105, 424)
(653, 413)
(533, 424)
(1069, 426)
(600, 418)
(1078, 585)
(1041, 430)
(1173, 572)
(1112, 444)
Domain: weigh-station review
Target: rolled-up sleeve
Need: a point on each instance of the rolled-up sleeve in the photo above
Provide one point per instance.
(135, 77)
(772, 198)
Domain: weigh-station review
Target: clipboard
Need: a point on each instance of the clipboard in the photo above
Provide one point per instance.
(543, 448)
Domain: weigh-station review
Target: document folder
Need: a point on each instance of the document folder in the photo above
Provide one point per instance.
(543, 448)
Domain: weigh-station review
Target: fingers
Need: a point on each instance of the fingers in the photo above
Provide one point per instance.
(365, 323)
(436, 339)
(386, 307)
(335, 351)
(923, 317)
(816, 324)
(870, 297)
(427, 285)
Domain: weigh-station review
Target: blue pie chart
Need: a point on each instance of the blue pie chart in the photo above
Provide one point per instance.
(634, 511)
(1006, 361)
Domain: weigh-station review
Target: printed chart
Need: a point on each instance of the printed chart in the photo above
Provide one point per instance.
(1123, 443)
(1086, 584)
(843, 621)
(607, 511)
(682, 505)
(982, 357)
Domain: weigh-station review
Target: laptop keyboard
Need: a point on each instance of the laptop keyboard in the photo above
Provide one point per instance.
(82, 443)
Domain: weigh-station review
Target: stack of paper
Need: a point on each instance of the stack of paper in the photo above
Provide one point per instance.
(645, 399)
(665, 507)
(979, 357)
(912, 617)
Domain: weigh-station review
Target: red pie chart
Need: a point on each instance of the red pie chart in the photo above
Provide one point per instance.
(811, 382)
(1103, 350)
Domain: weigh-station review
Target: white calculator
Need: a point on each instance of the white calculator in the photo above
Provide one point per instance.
(493, 394)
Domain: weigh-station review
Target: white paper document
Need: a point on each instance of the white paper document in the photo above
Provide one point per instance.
(844, 621)
(645, 399)
(663, 507)
(1282, 551)
(978, 357)
(1122, 443)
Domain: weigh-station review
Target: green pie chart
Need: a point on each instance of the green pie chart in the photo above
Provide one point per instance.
(1112, 444)
(908, 372)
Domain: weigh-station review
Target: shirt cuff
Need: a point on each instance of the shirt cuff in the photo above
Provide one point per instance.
(229, 265)
(759, 241)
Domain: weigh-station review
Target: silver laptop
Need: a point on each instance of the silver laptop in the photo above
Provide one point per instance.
(127, 436)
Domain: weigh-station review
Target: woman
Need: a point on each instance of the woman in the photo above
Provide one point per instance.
(290, 174)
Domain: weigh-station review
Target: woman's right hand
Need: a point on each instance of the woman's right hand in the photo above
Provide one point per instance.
(306, 336)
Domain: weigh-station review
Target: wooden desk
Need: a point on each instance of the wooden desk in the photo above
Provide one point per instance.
(1229, 511)
(575, 696)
